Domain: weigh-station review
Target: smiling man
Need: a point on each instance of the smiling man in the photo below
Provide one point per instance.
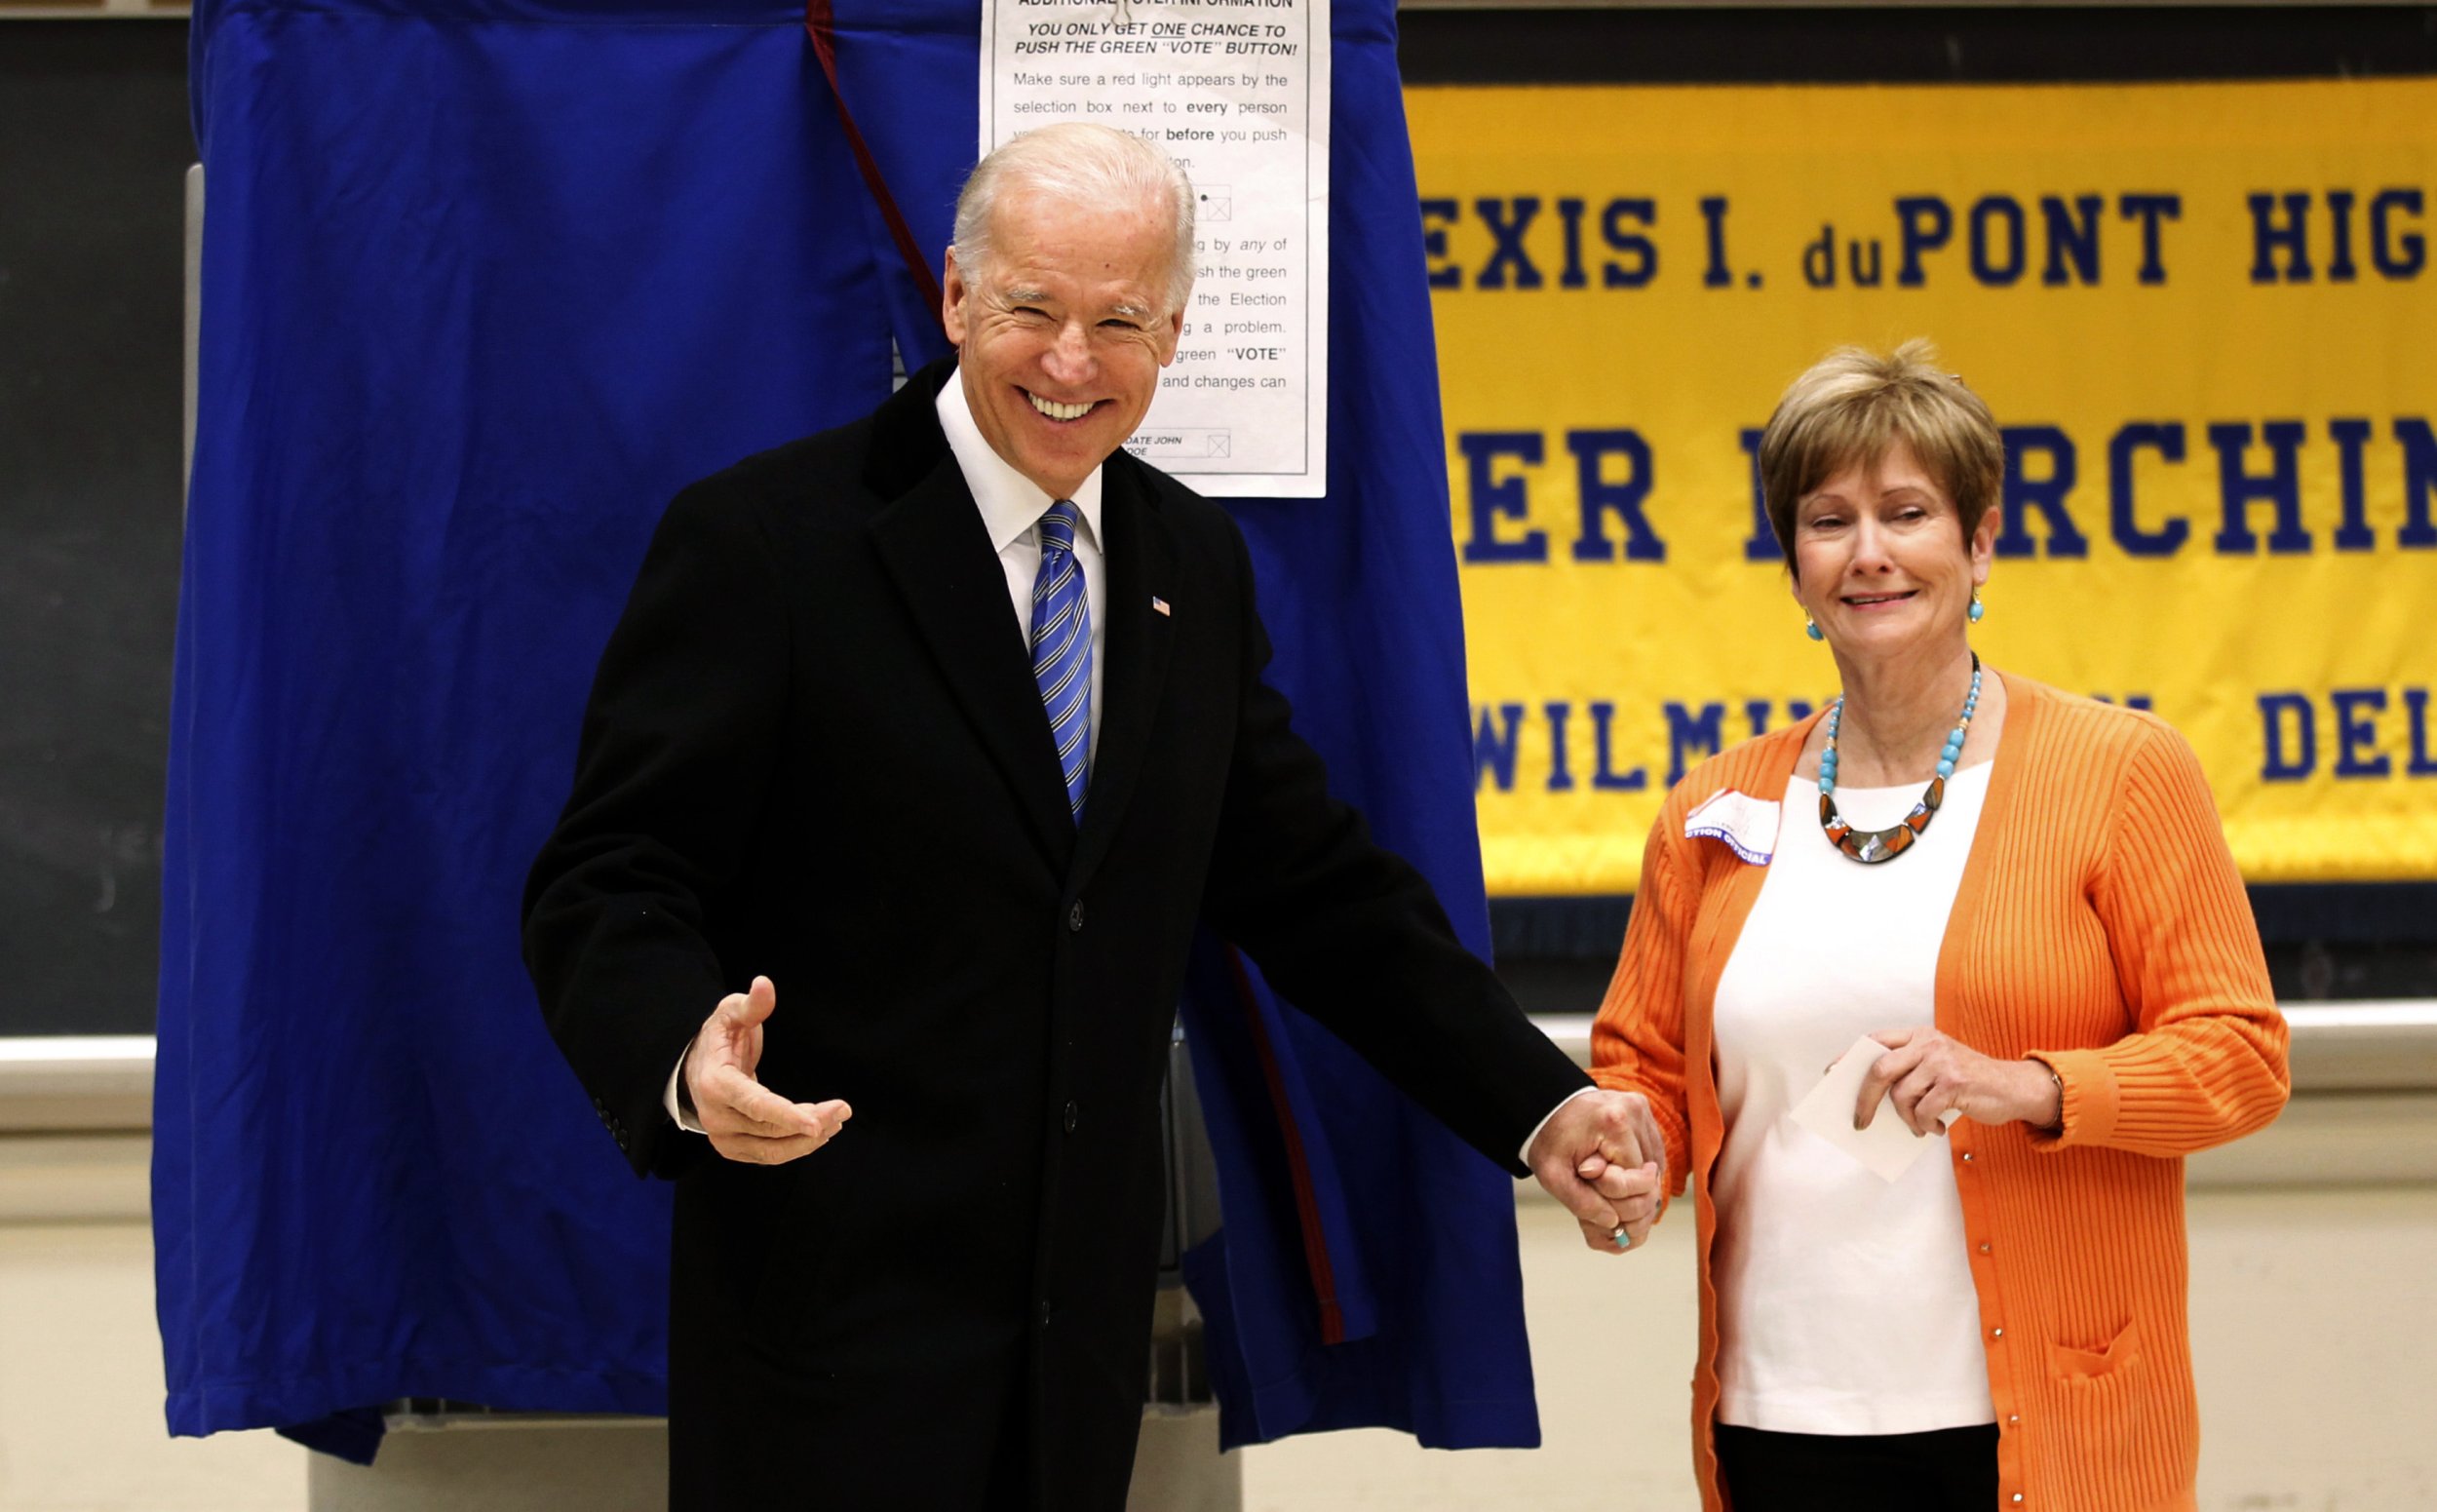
(949, 725)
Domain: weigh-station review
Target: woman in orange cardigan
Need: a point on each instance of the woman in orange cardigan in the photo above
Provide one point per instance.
(2024, 898)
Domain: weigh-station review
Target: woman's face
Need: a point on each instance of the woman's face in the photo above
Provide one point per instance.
(1880, 559)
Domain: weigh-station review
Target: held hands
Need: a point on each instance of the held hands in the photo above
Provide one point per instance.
(1602, 1155)
(746, 1120)
(1924, 1074)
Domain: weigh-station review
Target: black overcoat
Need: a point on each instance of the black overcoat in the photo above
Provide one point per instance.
(815, 751)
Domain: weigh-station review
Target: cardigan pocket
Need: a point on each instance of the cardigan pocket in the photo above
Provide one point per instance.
(2115, 1360)
(2104, 1422)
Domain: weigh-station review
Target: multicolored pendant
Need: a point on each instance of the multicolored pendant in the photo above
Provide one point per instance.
(1870, 847)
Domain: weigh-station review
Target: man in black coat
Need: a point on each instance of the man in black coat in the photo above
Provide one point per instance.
(952, 721)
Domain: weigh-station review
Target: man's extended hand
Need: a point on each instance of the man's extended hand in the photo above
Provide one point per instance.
(746, 1120)
(1602, 1155)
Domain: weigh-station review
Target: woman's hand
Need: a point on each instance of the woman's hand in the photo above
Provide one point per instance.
(1634, 1191)
(1924, 1074)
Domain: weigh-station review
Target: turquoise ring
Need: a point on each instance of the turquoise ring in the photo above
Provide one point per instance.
(1620, 1239)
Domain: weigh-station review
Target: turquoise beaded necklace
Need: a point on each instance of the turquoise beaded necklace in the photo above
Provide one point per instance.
(1870, 847)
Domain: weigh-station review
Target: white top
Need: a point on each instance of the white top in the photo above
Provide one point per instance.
(1012, 506)
(1845, 1301)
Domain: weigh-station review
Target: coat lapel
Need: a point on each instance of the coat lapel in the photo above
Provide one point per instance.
(935, 547)
(1141, 556)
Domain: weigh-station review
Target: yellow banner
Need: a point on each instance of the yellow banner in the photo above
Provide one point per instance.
(2205, 314)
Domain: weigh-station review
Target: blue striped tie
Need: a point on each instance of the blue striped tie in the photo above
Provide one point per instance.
(1061, 649)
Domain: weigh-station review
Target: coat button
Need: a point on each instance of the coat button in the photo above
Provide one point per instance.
(1070, 1119)
(1983, 1248)
(1074, 917)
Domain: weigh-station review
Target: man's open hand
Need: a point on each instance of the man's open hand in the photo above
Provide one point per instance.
(1602, 1155)
(746, 1120)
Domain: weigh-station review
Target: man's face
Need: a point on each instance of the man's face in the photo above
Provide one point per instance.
(1062, 333)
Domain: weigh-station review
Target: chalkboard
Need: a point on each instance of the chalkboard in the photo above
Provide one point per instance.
(94, 146)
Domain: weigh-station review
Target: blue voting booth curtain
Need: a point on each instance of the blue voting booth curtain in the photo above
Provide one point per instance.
(484, 283)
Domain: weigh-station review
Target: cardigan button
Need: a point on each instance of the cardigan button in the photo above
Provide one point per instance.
(1967, 1154)
(1997, 1333)
(1983, 1248)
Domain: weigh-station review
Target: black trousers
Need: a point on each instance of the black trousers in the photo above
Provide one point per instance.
(1946, 1470)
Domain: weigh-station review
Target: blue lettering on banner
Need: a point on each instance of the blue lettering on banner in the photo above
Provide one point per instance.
(2290, 234)
(1632, 245)
(2340, 268)
(1569, 214)
(1561, 780)
(2396, 256)
(1493, 497)
(2279, 712)
(1603, 774)
(2023, 492)
(2350, 437)
(2366, 746)
(2167, 440)
(1622, 498)
(1925, 224)
(2356, 730)
(2416, 714)
(1761, 544)
(2420, 480)
(1436, 217)
(2000, 240)
(1508, 232)
(1714, 214)
(2281, 240)
(2238, 489)
(2288, 735)
(2072, 239)
(2150, 209)
(2003, 210)
(1819, 260)
(1493, 753)
(1616, 473)
(1693, 734)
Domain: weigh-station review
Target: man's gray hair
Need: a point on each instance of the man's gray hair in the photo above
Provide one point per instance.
(1083, 164)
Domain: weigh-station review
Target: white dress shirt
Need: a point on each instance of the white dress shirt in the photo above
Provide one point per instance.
(1012, 506)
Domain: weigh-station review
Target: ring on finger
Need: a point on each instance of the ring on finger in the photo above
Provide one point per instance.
(1619, 1238)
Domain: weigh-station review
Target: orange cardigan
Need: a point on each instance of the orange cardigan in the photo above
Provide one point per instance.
(2101, 927)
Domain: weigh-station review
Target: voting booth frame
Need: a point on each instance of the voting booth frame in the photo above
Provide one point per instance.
(469, 1457)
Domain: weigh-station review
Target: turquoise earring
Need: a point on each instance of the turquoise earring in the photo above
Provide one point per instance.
(1811, 626)
(1978, 610)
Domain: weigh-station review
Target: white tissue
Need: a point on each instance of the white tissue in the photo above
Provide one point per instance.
(1886, 1147)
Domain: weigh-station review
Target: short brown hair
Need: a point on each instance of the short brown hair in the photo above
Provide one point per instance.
(1853, 404)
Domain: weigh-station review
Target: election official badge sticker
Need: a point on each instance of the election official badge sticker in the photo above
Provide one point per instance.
(1748, 824)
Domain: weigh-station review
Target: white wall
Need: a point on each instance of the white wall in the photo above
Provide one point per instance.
(2314, 1316)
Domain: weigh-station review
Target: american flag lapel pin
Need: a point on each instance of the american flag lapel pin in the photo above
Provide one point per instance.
(1160, 605)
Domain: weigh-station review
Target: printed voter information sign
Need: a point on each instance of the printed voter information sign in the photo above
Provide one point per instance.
(1237, 91)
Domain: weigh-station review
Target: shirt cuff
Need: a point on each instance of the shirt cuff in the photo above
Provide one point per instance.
(1522, 1156)
(675, 1109)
